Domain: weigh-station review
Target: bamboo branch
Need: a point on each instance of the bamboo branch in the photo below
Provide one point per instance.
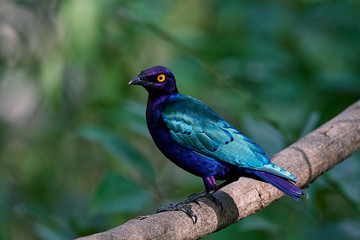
(308, 158)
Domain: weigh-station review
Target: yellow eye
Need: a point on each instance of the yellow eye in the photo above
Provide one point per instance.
(161, 78)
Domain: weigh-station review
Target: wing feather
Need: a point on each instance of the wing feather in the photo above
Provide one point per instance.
(195, 126)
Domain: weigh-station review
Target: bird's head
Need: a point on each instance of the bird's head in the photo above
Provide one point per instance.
(156, 80)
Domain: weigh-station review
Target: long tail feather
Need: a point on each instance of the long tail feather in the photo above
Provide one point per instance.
(280, 183)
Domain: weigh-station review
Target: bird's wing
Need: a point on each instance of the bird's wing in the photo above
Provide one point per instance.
(195, 126)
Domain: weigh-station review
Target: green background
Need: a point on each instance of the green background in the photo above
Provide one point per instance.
(75, 154)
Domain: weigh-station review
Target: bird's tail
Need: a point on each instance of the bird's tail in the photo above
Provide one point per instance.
(280, 183)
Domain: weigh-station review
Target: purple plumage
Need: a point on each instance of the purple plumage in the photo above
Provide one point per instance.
(280, 183)
(198, 140)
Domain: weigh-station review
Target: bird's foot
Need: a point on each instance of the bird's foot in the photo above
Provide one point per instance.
(186, 208)
(195, 196)
(180, 206)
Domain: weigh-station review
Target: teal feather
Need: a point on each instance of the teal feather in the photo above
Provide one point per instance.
(195, 126)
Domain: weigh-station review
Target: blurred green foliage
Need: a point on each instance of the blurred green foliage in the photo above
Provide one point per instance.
(75, 154)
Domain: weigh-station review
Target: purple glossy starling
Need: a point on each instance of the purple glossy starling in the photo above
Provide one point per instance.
(199, 141)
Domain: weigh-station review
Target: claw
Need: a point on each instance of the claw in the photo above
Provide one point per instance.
(184, 207)
(181, 206)
(191, 214)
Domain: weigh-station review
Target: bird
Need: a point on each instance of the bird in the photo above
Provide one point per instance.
(198, 140)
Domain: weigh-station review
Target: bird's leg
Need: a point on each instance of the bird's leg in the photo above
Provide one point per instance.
(210, 186)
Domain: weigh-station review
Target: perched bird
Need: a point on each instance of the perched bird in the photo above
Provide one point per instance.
(198, 140)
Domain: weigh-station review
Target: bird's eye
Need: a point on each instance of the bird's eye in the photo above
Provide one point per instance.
(161, 78)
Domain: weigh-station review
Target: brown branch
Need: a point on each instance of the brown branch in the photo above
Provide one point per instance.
(308, 158)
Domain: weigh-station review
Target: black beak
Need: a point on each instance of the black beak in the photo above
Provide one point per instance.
(136, 81)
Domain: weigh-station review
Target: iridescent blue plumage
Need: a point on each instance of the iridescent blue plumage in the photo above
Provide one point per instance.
(198, 140)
